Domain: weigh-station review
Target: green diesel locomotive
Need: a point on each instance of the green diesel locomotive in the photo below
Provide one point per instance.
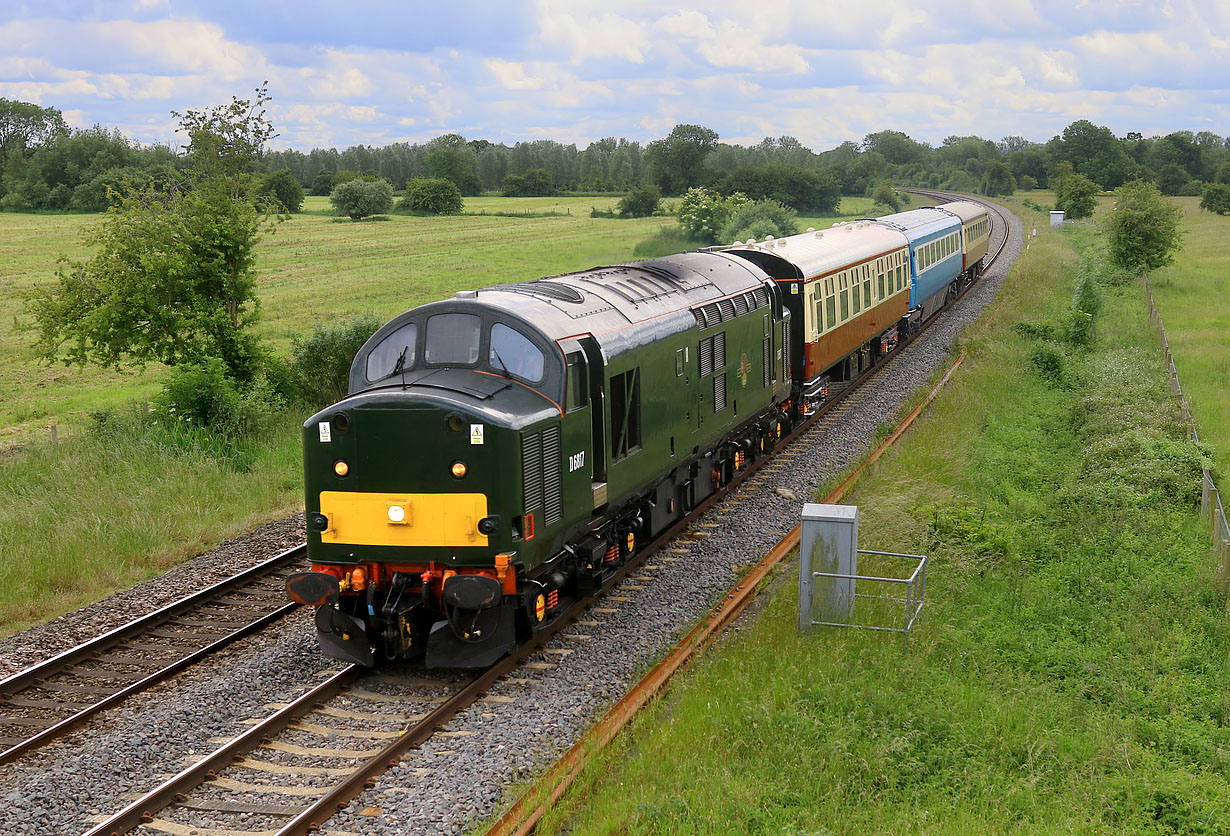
(502, 452)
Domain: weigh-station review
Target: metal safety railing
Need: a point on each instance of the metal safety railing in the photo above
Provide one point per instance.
(1210, 497)
(832, 599)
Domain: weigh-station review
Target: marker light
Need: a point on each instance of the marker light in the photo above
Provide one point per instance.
(341, 468)
(396, 513)
(459, 469)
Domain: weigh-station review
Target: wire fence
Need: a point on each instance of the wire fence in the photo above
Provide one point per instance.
(1211, 505)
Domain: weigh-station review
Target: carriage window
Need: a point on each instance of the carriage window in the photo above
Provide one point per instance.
(832, 310)
(858, 305)
(513, 351)
(845, 305)
(383, 359)
(452, 338)
(867, 290)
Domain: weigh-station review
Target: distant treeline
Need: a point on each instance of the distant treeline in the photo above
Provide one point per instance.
(44, 165)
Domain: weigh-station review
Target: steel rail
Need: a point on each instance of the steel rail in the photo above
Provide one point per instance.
(32, 676)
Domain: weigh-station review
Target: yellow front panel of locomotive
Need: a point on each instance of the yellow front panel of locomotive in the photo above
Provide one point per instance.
(408, 519)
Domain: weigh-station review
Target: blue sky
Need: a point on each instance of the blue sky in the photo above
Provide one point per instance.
(342, 74)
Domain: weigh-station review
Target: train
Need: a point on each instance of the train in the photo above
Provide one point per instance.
(501, 453)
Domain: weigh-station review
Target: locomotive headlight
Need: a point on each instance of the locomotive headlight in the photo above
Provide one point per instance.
(341, 468)
(458, 470)
(397, 514)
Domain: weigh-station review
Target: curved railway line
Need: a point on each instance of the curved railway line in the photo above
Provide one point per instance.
(279, 778)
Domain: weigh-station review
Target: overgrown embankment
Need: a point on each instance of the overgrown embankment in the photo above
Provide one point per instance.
(1070, 671)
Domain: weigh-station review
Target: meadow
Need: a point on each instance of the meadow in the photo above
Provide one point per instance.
(1069, 674)
(113, 503)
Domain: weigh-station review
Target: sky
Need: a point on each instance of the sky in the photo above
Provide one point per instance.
(374, 73)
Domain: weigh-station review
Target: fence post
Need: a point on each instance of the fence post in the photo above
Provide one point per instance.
(1205, 483)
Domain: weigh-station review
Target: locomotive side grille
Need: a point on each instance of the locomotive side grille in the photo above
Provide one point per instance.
(712, 315)
(768, 359)
(762, 296)
(719, 392)
(740, 305)
(552, 472)
(785, 352)
(728, 309)
(719, 350)
(699, 313)
(531, 470)
(706, 356)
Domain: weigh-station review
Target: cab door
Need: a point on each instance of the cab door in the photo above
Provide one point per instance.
(584, 421)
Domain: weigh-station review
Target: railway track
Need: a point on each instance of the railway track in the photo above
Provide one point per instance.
(273, 778)
(46, 701)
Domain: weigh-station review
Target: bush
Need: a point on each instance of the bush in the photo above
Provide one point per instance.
(203, 396)
(801, 189)
(703, 214)
(761, 219)
(435, 195)
(1216, 198)
(282, 186)
(360, 198)
(668, 241)
(885, 195)
(641, 202)
(1143, 229)
(1076, 195)
(534, 183)
(321, 361)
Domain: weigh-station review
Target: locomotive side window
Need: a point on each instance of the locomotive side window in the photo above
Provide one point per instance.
(512, 351)
(383, 360)
(625, 414)
(577, 384)
(452, 338)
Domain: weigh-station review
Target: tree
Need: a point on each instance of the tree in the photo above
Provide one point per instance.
(1093, 151)
(24, 127)
(677, 162)
(322, 183)
(998, 180)
(790, 185)
(451, 158)
(1216, 198)
(360, 198)
(1143, 228)
(174, 277)
(1076, 195)
(1223, 173)
(282, 187)
(1171, 178)
(641, 202)
(435, 195)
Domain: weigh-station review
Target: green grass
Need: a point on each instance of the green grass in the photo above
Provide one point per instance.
(1069, 674)
(1193, 296)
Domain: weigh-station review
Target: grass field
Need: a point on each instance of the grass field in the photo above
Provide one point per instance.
(1193, 296)
(315, 268)
(1070, 671)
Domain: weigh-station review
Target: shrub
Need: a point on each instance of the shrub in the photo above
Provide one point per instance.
(1216, 198)
(703, 213)
(1143, 228)
(534, 183)
(360, 198)
(885, 195)
(1076, 195)
(435, 195)
(1049, 362)
(197, 395)
(760, 219)
(641, 202)
(282, 186)
(321, 361)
